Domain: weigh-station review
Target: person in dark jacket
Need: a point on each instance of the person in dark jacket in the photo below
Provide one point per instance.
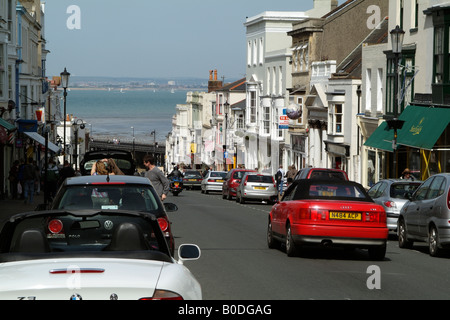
(29, 178)
(66, 172)
(156, 177)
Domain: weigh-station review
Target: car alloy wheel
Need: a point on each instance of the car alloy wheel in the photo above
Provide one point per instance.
(291, 249)
(433, 242)
(403, 241)
(272, 243)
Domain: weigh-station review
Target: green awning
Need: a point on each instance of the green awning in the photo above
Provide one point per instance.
(423, 127)
(5, 124)
(381, 138)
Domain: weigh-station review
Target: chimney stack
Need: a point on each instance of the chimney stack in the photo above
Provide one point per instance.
(213, 85)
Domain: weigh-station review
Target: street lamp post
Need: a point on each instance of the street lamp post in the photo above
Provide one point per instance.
(65, 84)
(225, 125)
(154, 142)
(76, 154)
(397, 36)
(134, 155)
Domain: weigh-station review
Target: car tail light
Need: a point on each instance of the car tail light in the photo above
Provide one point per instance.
(163, 224)
(55, 226)
(376, 216)
(211, 180)
(390, 204)
(448, 199)
(109, 183)
(304, 214)
(318, 214)
(313, 214)
(164, 295)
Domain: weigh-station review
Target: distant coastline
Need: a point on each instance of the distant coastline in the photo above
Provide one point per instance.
(148, 84)
(139, 88)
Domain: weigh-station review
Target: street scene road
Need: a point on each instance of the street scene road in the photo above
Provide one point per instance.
(237, 264)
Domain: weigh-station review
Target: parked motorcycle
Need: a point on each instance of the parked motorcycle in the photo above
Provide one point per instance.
(176, 185)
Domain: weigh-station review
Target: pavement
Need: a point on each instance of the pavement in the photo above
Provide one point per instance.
(10, 207)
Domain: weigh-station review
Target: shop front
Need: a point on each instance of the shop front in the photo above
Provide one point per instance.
(423, 143)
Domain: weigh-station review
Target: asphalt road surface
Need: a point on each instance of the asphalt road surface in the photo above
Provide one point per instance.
(236, 263)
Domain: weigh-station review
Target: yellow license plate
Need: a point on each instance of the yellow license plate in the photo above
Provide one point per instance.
(345, 216)
(259, 188)
(192, 179)
(219, 180)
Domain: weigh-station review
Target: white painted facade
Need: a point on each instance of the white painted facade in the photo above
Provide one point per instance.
(268, 75)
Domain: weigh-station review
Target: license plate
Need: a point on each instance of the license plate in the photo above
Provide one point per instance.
(259, 188)
(192, 179)
(345, 216)
(219, 180)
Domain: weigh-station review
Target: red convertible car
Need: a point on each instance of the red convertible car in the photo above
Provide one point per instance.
(330, 213)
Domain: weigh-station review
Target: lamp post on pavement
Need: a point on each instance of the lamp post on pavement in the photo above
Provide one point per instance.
(75, 153)
(134, 155)
(225, 125)
(397, 36)
(65, 84)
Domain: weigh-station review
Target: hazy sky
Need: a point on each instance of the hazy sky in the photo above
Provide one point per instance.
(152, 38)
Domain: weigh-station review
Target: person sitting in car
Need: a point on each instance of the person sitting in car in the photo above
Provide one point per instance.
(104, 167)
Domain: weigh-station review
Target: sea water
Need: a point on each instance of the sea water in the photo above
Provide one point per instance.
(120, 114)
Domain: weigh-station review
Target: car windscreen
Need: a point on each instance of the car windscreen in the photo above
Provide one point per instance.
(327, 175)
(330, 191)
(403, 190)
(107, 197)
(239, 174)
(62, 235)
(259, 178)
(192, 175)
(218, 174)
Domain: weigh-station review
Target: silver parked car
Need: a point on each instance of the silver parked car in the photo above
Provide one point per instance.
(392, 194)
(256, 186)
(213, 181)
(426, 217)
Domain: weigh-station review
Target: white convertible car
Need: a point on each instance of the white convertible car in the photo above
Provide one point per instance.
(92, 255)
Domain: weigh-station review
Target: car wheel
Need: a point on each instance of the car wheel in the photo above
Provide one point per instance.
(403, 241)
(272, 243)
(377, 253)
(291, 248)
(241, 199)
(433, 242)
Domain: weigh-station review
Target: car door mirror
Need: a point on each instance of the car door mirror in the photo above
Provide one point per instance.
(188, 252)
(170, 207)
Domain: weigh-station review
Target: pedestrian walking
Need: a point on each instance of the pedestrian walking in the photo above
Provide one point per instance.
(66, 172)
(21, 182)
(290, 175)
(29, 178)
(13, 178)
(37, 184)
(156, 177)
(279, 179)
(52, 178)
